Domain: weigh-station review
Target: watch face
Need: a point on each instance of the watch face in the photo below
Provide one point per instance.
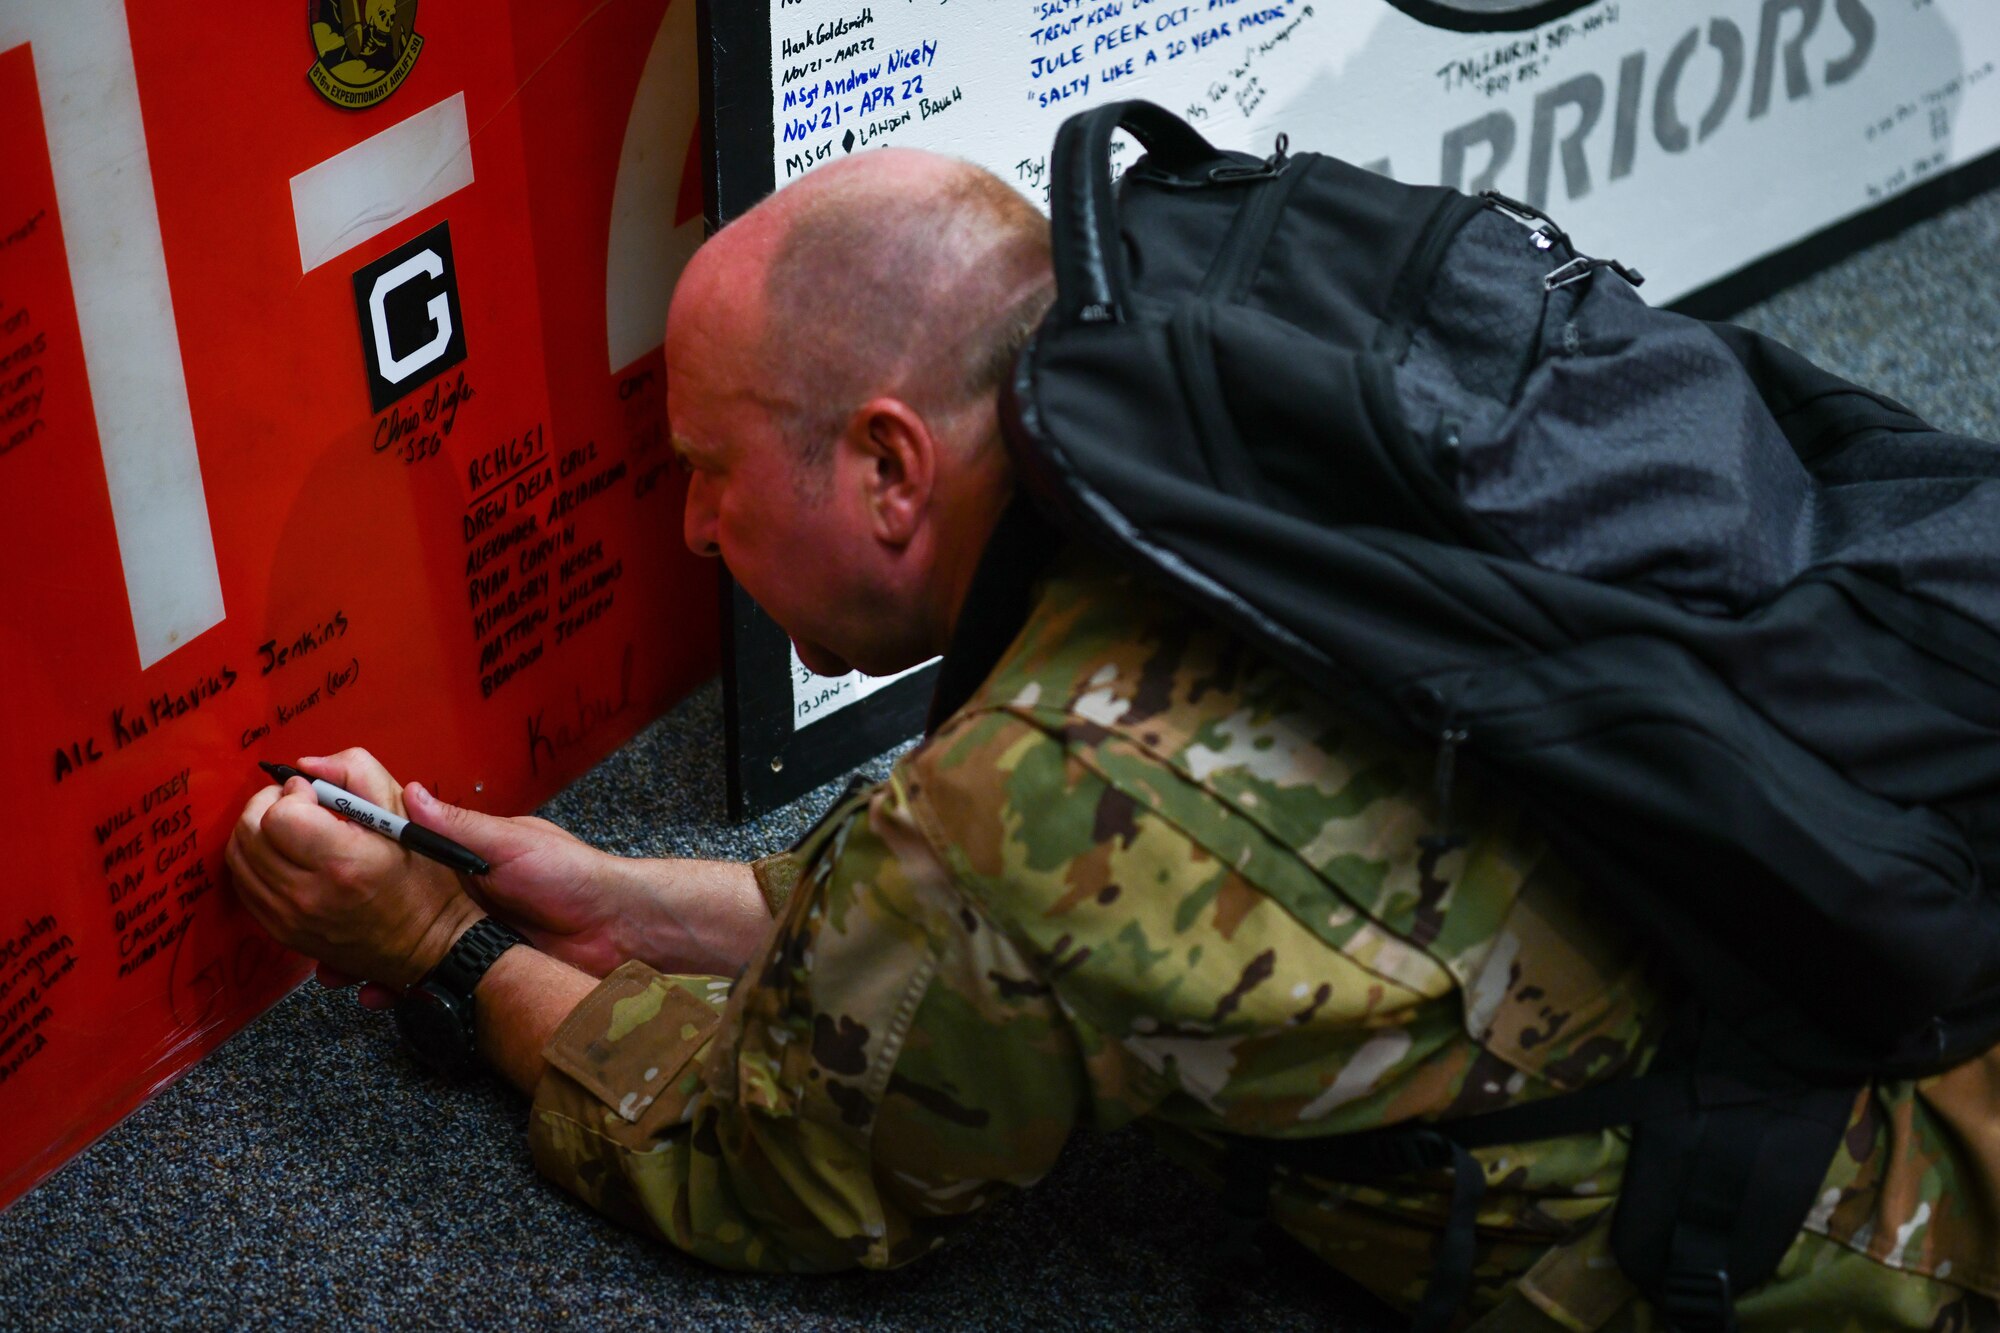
(438, 1028)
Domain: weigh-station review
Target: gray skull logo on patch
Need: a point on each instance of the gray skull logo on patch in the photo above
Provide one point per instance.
(1488, 15)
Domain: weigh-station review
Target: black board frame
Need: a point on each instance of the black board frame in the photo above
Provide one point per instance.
(769, 763)
(1766, 277)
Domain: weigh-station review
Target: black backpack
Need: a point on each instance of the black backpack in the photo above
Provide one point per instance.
(1727, 624)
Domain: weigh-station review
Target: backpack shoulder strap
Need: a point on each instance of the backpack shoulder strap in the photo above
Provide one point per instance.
(1092, 284)
(1722, 1172)
(1711, 1201)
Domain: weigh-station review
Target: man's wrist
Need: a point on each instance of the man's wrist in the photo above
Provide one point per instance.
(505, 972)
(453, 920)
(518, 1005)
(438, 1015)
(698, 916)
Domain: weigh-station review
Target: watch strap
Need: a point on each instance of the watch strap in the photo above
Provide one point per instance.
(459, 971)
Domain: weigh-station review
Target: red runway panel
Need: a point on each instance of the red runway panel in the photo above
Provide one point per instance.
(330, 414)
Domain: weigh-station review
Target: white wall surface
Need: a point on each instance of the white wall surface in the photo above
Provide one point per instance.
(1688, 139)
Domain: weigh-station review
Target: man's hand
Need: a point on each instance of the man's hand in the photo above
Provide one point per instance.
(320, 886)
(594, 910)
(563, 894)
(339, 893)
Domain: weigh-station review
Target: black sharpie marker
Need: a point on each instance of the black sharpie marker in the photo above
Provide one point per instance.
(369, 815)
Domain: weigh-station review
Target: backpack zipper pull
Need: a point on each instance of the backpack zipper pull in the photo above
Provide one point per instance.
(1544, 234)
(1440, 715)
(1576, 270)
(1269, 169)
(1442, 780)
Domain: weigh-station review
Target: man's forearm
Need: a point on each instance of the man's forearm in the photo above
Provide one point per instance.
(520, 1002)
(704, 917)
(693, 916)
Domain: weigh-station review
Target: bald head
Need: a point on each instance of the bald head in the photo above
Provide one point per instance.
(832, 360)
(895, 272)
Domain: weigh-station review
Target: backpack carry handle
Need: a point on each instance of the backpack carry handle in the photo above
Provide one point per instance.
(1092, 280)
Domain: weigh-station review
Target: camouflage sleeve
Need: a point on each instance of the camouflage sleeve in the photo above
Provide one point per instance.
(887, 1067)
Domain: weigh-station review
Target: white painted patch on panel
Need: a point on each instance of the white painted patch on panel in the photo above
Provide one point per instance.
(647, 251)
(365, 190)
(131, 349)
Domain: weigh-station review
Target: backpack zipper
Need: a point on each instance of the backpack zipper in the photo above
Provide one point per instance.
(1236, 265)
(1447, 838)
(1413, 285)
(1440, 714)
(1547, 234)
(1190, 338)
(1269, 168)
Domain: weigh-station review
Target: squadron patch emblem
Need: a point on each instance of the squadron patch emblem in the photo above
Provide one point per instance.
(366, 48)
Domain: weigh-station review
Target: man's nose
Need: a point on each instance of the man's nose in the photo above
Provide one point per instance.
(698, 518)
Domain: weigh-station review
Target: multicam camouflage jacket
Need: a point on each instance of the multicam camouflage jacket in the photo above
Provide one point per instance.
(1142, 874)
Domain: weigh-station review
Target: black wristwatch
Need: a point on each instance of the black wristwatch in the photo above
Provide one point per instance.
(435, 1015)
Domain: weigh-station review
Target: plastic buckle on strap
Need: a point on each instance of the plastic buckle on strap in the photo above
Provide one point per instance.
(1698, 1302)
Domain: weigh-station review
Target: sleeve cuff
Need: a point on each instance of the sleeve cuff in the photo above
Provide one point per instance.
(777, 878)
(622, 1074)
(625, 1058)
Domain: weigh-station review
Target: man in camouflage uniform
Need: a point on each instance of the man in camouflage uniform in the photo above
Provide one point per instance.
(1134, 872)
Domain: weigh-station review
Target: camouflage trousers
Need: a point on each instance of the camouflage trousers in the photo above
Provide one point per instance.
(1820, 1287)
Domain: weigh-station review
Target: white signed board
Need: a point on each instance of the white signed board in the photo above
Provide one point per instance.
(816, 698)
(1689, 139)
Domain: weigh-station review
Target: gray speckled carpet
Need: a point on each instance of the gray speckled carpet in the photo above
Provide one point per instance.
(309, 1176)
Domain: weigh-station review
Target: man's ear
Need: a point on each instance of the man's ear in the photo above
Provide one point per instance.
(898, 455)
